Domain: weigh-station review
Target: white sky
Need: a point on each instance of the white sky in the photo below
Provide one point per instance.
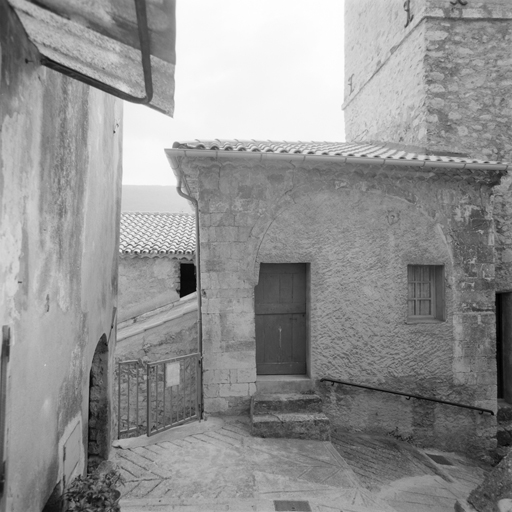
(246, 69)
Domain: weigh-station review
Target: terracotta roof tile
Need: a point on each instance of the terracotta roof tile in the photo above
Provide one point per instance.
(157, 234)
(347, 149)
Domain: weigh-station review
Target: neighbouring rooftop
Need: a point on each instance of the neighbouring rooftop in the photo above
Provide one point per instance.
(152, 235)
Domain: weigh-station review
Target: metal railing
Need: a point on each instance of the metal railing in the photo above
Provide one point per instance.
(173, 392)
(131, 388)
(407, 395)
(153, 397)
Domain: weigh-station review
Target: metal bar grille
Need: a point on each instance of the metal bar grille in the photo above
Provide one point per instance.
(156, 396)
(130, 389)
(172, 392)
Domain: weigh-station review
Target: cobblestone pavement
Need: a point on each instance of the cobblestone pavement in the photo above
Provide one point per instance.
(218, 466)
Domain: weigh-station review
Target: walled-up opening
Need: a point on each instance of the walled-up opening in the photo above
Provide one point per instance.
(187, 279)
(504, 345)
(98, 407)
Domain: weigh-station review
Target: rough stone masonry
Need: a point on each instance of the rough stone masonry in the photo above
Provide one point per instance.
(358, 227)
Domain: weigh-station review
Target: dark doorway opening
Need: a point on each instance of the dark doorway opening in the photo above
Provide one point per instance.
(504, 345)
(187, 279)
(98, 428)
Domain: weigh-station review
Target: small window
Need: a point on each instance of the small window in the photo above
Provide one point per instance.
(425, 298)
(187, 279)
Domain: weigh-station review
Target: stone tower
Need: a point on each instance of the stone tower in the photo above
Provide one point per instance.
(430, 73)
(437, 75)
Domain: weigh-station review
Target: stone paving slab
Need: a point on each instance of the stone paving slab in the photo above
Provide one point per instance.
(224, 468)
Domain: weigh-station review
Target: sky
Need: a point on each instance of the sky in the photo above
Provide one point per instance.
(246, 69)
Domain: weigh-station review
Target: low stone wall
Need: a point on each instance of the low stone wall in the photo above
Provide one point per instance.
(169, 334)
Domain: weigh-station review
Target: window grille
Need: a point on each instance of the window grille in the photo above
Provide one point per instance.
(425, 298)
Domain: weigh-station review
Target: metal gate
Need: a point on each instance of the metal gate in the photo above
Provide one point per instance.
(153, 397)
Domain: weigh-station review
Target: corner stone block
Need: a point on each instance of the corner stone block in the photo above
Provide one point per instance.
(226, 390)
(232, 360)
(246, 375)
(224, 234)
(215, 405)
(222, 376)
(237, 327)
(231, 280)
(208, 377)
(216, 265)
(211, 390)
(222, 219)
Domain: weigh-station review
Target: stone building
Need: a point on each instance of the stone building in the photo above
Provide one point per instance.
(156, 264)
(60, 190)
(437, 75)
(157, 301)
(357, 262)
(60, 176)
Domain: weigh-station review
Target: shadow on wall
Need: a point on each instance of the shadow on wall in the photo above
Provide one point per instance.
(98, 407)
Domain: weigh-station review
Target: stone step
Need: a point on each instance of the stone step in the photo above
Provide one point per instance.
(285, 402)
(240, 505)
(504, 414)
(292, 426)
(266, 384)
(504, 434)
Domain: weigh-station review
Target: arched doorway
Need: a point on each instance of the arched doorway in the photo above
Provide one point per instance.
(98, 407)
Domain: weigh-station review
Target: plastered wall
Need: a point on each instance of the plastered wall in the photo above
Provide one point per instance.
(358, 227)
(60, 177)
(146, 284)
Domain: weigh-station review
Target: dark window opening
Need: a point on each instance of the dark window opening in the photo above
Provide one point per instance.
(187, 279)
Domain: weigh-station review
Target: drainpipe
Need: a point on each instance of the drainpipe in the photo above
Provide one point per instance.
(198, 286)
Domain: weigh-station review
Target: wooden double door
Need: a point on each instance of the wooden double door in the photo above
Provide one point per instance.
(280, 307)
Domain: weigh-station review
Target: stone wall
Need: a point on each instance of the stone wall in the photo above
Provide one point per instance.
(391, 109)
(441, 84)
(146, 284)
(358, 227)
(378, 49)
(60, 181)
(160, 338)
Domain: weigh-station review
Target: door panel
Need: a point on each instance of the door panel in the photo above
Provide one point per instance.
(280, 306)
(504, 345)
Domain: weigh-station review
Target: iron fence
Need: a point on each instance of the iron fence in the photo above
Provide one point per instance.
(153, 397)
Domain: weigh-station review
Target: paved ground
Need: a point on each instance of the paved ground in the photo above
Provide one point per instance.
(218, 466)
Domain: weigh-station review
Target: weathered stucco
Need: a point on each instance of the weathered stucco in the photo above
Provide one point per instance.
(358, 227)
(60, 177)
(146, 284)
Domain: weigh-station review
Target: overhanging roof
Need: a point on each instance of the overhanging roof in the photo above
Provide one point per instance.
(378, 154)
(124, 47)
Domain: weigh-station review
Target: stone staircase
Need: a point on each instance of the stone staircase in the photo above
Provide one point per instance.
(289, 415)
(504, 432)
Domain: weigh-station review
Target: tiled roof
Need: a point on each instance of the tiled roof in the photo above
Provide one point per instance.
(157, 234)
(343, 149)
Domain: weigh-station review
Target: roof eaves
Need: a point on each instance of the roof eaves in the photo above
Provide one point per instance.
(174, 153)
